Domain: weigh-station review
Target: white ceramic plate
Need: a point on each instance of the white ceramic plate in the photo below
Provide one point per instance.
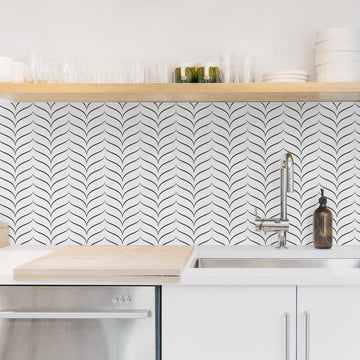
(286, 72)
(298, 77)
(285, 81)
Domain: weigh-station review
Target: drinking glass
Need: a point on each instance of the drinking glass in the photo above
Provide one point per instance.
(246, 68)
(137, 72)
(160, 73)
(166, 73)
(227, 68)
(106, 77)
(69, 70)
(123, 71)
(38, 67)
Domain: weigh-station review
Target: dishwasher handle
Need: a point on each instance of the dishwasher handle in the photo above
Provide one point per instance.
(120, 314)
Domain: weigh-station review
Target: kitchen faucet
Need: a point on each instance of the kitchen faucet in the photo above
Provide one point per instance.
(280, 225)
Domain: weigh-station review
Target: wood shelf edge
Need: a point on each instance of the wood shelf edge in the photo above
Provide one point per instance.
(242, 92)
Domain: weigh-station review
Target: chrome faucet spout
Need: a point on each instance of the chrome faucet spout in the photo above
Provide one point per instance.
(286, 183)
(289, 165)
(280, 225)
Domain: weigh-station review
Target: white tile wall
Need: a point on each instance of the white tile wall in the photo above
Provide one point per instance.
(166, 173)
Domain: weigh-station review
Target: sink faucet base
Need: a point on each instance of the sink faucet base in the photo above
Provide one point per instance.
(282, 239)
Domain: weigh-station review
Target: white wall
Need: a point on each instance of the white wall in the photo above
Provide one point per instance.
(279, 32)
(185, 173)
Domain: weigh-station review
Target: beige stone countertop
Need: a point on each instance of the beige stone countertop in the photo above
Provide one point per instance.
(13, 256)
(102, 263)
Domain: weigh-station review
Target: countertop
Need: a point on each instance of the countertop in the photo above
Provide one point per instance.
(13, 256)
(135, 263)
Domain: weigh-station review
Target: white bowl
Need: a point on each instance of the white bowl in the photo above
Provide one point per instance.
(337, 45)
(340, 33)
(350, 68)
(329, 57)
(6, 65)
(338, 77)
(287, 72)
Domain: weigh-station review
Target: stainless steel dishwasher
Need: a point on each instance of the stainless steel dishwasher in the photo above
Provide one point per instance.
(79, 323)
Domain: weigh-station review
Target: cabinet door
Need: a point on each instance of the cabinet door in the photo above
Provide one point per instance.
(328, 322)
(228, 322)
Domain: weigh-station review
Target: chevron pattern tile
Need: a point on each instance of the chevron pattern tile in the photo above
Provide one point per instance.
(166, 173)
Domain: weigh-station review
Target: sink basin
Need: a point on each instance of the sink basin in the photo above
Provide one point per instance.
(212, 263)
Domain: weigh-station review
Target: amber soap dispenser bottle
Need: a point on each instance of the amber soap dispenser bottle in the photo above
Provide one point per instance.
(322, 225)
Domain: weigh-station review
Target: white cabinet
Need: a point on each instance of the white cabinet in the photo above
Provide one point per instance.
(332, 314)
(229, 323)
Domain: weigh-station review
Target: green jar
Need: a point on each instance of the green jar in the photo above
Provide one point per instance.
(185, 73)
(208, 74)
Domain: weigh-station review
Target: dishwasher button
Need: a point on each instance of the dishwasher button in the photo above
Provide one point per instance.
(122, 299)
(128, 299)
(115, 300)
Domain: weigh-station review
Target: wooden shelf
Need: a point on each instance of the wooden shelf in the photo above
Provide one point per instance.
(262, 92)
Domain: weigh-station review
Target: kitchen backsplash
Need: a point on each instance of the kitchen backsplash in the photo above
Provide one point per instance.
(166, 173)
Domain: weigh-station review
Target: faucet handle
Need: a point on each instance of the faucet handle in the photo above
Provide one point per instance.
(256, 214)
(258, 220)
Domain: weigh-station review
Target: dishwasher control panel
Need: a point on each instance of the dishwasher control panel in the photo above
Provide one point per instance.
(123, 298)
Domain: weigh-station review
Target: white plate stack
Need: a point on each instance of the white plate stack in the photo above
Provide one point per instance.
(338, 55)
(294, 76)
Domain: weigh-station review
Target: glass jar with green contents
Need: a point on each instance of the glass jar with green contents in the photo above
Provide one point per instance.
(208, 73)
(185, 73)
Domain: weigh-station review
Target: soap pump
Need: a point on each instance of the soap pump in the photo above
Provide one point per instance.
(322, 225)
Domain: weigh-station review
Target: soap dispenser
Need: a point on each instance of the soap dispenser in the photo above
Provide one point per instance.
(322, 225)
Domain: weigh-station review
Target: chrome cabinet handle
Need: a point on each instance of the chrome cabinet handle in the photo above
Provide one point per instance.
(307, 335)
(287, 336)
(120, 314)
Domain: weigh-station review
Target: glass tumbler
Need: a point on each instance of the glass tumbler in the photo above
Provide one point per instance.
(227, 68)
(160, 73)
(137, 73)
(69, 70)
(39, 68)
(246, 68)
